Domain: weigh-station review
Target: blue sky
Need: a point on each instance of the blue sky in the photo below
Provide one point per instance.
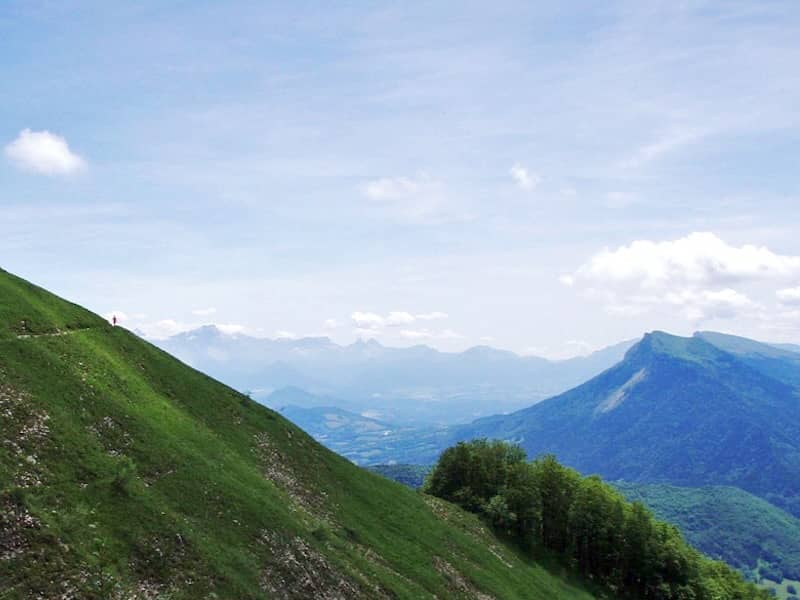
(539, 177)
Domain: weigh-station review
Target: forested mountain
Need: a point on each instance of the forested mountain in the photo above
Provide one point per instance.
(126, 474)
(675, 410)
(417, 385)
(729, 524)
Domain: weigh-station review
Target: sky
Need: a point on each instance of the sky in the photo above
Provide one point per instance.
(548, 178)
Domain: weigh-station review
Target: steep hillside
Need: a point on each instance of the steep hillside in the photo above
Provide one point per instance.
(675, 410)
(125, 474)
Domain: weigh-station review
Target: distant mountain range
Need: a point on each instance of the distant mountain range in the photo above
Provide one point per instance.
(416, 385)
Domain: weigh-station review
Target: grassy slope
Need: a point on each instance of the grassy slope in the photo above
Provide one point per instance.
(726, 523)
(123, 473)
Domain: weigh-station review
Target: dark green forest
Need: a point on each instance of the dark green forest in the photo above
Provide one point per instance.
(588, 525)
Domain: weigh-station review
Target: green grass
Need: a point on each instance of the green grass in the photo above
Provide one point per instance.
(123, 471)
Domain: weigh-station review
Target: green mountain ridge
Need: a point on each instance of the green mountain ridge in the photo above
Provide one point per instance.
(676, 410)
(126, 474)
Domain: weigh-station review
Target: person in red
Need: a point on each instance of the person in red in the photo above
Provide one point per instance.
(114, 320)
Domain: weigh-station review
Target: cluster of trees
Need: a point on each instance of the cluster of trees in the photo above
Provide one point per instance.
(584, 522)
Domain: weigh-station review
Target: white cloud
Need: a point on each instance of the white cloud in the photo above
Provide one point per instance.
(161, 330)
(369, 322)
(526, 180)
(230, 328)
(204, 312)
(419, 200)
(399, 318)
(692, 275)
(422, 334)
(711, 304)
(391, 188)
(330, 324)
(44, 153)
(697, 259)
(789, 296)
(285, 335)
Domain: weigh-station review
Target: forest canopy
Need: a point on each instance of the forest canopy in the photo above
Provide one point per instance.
(583, 521)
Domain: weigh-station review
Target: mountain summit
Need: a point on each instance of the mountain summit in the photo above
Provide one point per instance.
(676, 410)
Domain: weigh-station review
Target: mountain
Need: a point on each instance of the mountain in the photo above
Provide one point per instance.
(782, 363)
(675, 410)
(417, 385)
(126, 474)
(727, 523)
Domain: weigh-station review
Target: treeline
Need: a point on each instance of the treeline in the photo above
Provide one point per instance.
(586, 523)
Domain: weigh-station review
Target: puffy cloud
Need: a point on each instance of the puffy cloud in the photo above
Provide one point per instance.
(692, 274)
(789, 296)
(698, 259)
(524, 179)
(44, 153)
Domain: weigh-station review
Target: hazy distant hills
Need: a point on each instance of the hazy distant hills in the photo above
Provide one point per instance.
(418, 385)
(684, 411)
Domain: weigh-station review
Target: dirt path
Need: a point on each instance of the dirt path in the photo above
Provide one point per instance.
(58, 333)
